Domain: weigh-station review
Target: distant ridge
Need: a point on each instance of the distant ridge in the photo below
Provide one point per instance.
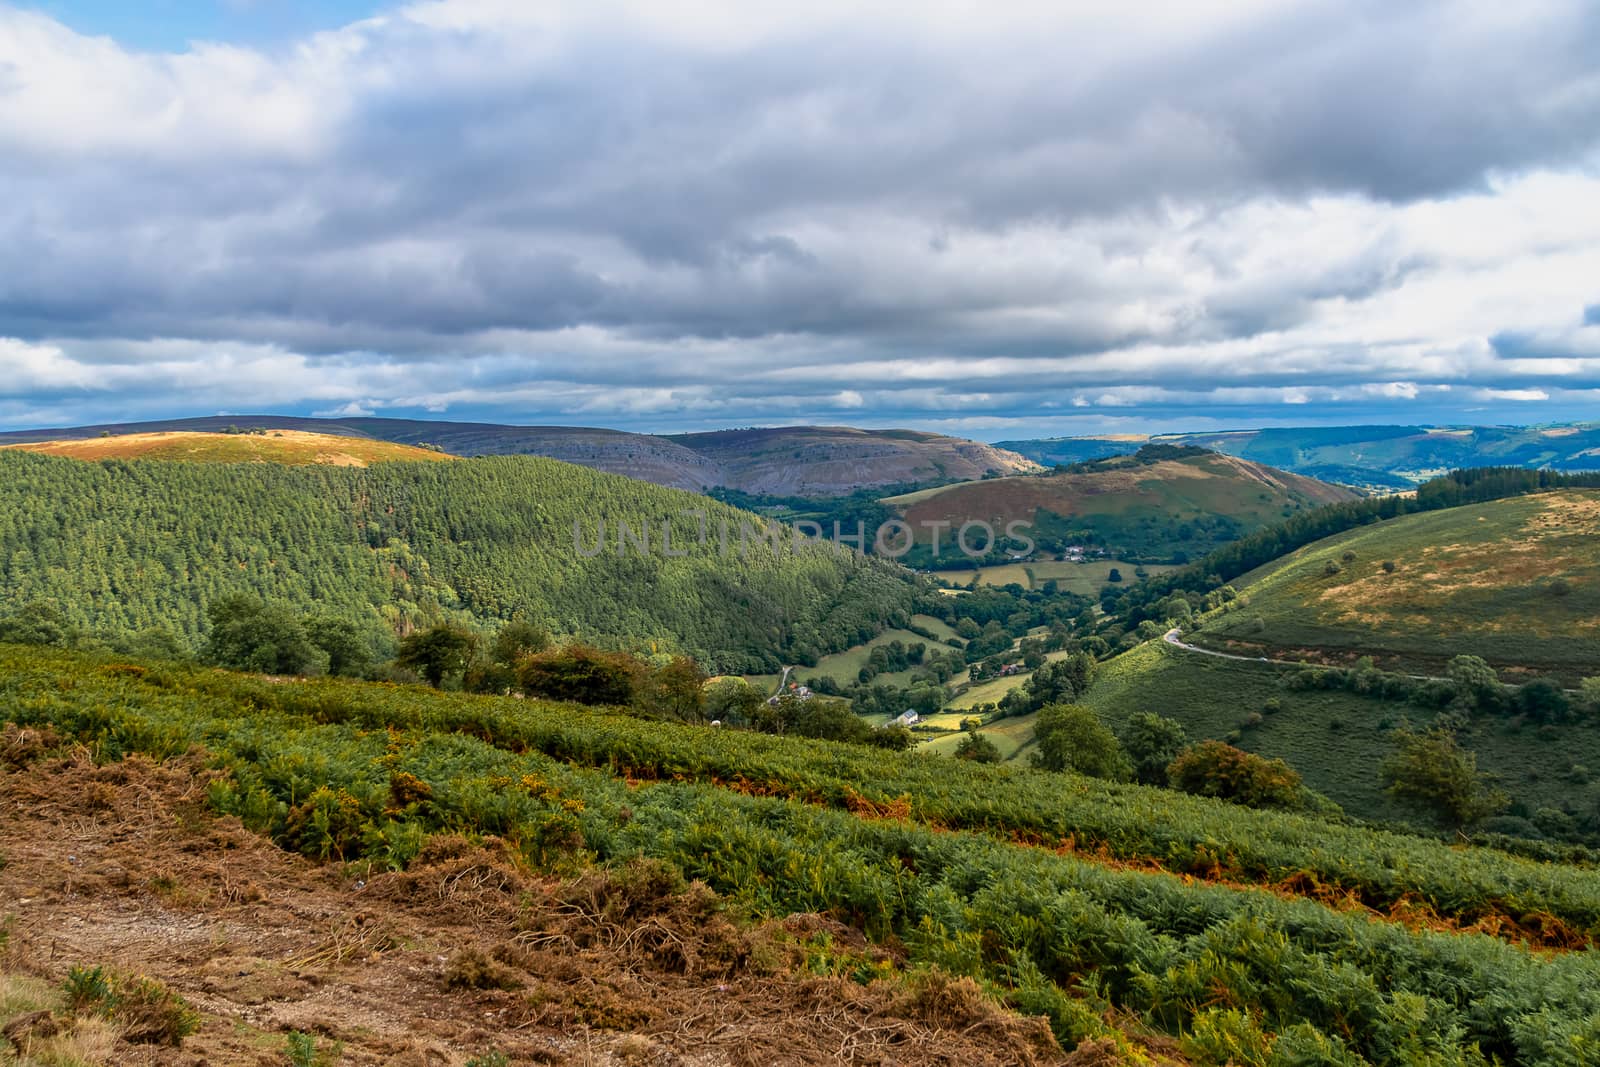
(1371, 457)
(795, 460)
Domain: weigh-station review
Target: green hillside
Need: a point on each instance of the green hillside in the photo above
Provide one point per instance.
(1149, 921)
(1515, 581)
(1161, 505)
(119, 546)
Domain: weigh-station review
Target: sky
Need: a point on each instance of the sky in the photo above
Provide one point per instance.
(996, 219)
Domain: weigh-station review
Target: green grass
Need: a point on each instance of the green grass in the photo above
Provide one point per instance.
(1211, 696)
(936, 626)
(1477, 579)
(1013, 737)
(1084, 579)
(845, 667)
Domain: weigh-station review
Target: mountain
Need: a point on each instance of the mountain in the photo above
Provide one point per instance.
(1163, 503)
(796, 460)
(1515, 581)
(120, 547)
(1373, 457)
(292, 447)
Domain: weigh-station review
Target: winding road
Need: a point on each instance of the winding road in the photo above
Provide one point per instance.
(1174, 638)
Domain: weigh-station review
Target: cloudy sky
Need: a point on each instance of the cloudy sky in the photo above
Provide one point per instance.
(987, 218)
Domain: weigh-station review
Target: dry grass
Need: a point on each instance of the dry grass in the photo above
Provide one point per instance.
(464, 952)
(294, 447)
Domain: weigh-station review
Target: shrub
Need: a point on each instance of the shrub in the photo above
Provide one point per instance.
(1543, 700)
(1072, 738)
(471, 969)
(581, 674)
(1213, 769)
(1251, 721)
(978, 749)
(1152, 743)
(1388, 566)
(305, 1051)
(1348, 556)
(1432, 770)
(144, 1009)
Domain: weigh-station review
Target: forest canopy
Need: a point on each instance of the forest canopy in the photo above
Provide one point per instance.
(120, 548)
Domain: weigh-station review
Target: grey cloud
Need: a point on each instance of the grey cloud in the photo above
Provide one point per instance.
(822, 199)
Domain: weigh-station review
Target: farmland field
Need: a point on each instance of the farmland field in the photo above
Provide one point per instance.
(1013, 736)
(1085, 579)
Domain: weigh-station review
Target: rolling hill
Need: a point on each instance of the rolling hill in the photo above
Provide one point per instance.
(292, 447)
(1161, 504)
(1515, 581)
(120, 547)
(831, 460)
(1375, 457)
(798, 460)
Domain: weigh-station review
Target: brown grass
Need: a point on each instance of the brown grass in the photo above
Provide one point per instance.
(619, 965)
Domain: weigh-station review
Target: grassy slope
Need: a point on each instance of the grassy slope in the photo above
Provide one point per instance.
(1211, 696)
(1164, 951)
(1473, 579)
(276, 446)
